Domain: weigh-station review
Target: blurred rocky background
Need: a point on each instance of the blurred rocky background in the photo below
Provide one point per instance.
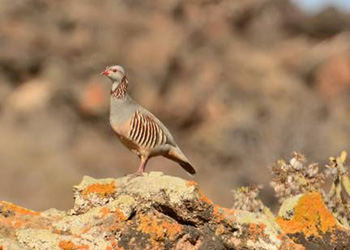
(239, 83)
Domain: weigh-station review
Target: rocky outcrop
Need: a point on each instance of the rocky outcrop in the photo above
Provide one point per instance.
(156, 211)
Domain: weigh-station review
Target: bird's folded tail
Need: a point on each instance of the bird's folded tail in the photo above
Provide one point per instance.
(188, 167)
(176, 155)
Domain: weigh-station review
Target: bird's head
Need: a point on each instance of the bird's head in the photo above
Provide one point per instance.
(116, 73)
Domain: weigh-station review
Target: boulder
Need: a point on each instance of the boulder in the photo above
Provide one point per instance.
(153, 211)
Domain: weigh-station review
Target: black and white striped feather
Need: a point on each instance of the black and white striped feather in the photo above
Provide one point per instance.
(145, 131)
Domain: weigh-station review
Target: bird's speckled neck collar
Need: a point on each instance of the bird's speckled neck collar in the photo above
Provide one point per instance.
(120, 91)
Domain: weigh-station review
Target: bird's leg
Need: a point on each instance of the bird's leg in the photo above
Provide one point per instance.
(142, 166)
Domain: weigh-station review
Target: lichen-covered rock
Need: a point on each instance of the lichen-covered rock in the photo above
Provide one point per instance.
(153, 211)
(307, 220)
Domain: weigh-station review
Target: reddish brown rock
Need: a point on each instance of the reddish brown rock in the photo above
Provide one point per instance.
(333, 76)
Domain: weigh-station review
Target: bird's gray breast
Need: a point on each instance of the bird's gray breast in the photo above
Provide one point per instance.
(120, 112)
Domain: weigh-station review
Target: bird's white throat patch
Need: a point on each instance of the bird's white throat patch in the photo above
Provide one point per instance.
(115, 86)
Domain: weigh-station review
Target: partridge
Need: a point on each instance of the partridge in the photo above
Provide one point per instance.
(137, 128)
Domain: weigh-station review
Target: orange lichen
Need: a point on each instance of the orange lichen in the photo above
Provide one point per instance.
(13, 222)
(222, 213)
(220, 230)
(102, 190)
(120, 215)
(9, 207)
(288, 244)
(158, 229)
(115, 244)
(291, 245)
(14, 217)
(104, 211)
(69, 245)
(310, 217)
(115, 247)
(218, 213)
(86, 229)
(281, 236)
(228, 211)
(18, 223)
(66, 245)
(204, 198)
(257, 231)
(191, 183)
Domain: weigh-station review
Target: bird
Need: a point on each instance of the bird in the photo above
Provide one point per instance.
(137, 128)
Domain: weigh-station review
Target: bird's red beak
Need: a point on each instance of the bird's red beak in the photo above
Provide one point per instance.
(105, 73)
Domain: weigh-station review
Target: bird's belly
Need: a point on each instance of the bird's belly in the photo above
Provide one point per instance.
(121, 132)
(140, 150)
(128, 143)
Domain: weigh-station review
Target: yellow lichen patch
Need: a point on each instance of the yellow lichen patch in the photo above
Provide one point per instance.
(158, 229)
(9, 207)
(102, 190)
(69, 245)
(310, 217)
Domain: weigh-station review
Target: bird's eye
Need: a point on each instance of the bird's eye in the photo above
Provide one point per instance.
(114, 70)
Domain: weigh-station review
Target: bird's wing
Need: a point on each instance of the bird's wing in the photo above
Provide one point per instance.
(147, 131)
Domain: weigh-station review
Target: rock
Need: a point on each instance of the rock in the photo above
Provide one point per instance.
(94, 98)
(153, 211)
(333, 76)
(30, 97)
(308, 221)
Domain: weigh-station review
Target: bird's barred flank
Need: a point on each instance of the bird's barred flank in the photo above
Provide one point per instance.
(145, 131)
